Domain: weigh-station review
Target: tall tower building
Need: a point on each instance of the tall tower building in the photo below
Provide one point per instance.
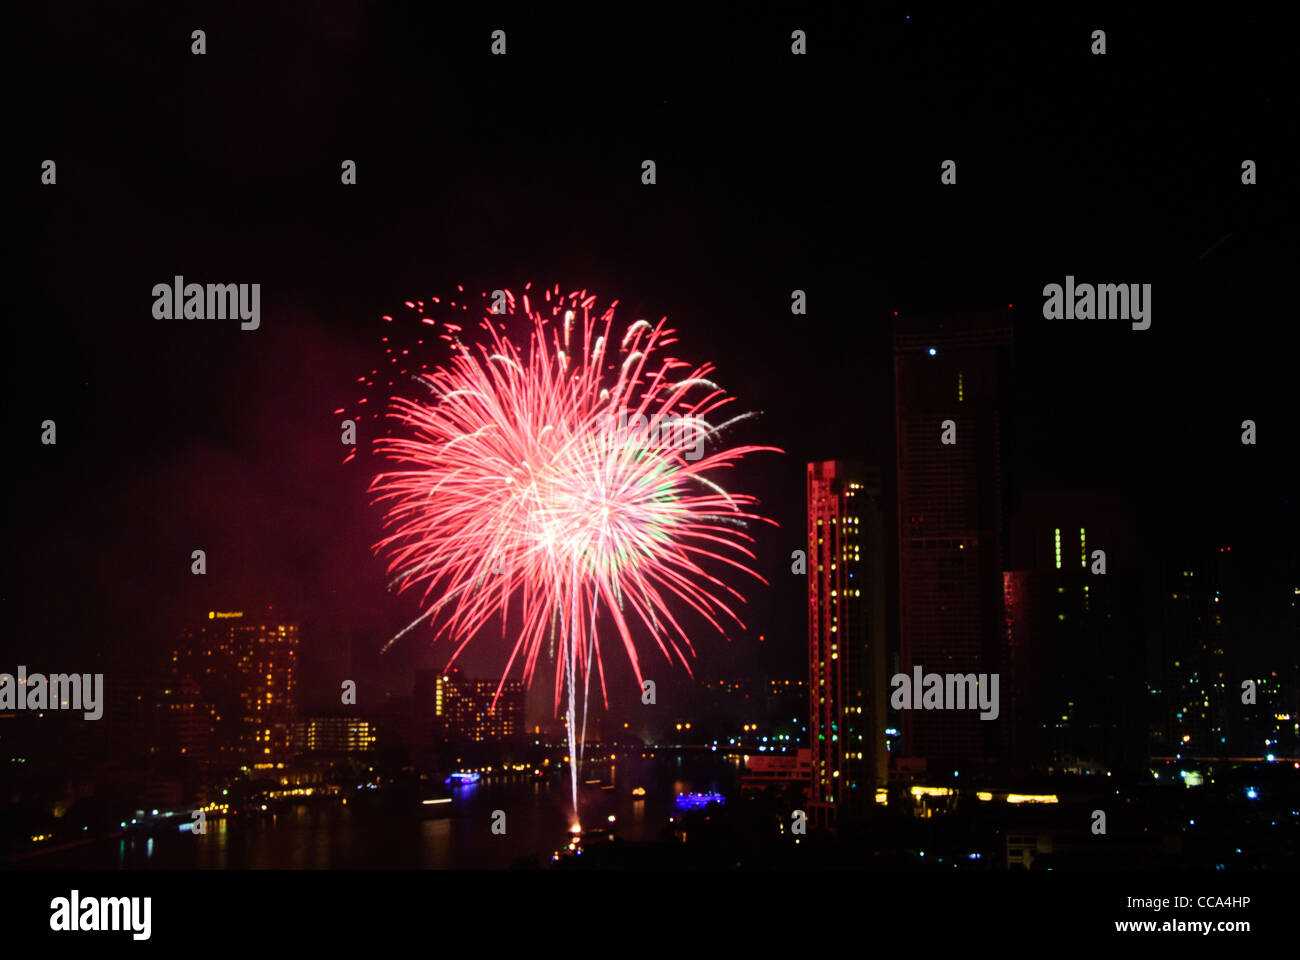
(1075, 696)
(948, 377)
(846, 639)
(469, 711)
(234, 685)
(1200, 659)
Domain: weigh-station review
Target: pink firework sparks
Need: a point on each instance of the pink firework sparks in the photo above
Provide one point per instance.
(573, 483)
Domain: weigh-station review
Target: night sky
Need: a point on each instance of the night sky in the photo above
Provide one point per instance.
(775, 172)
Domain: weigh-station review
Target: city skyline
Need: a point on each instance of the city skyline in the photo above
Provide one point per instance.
(955, 535)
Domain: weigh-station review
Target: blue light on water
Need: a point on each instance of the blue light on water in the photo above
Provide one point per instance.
(697, 801)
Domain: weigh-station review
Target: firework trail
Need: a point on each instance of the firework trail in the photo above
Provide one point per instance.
(571, 482)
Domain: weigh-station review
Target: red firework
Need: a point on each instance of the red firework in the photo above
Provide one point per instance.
(571, 481)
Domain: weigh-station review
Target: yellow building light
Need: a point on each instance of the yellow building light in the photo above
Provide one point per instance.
(931, 791)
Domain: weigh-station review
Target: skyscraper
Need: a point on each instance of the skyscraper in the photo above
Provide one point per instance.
(465, 710)
(337, 734)
(846, 639)
(1200, 656)
(234, 688)
(948, 377)
(1074, 697)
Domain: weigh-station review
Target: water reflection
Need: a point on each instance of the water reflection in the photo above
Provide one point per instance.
(387, 832)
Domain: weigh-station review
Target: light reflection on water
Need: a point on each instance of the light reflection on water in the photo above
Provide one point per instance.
(370, 835)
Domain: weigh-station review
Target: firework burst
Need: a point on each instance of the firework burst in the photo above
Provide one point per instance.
(572, 484)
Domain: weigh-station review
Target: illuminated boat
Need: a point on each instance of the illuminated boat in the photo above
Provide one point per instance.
(697, 801)
(436, 807)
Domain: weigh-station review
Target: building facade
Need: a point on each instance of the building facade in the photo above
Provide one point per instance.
(1075, 634)
(846, 640)
(949, 377)
(232, 691)
(470, 711)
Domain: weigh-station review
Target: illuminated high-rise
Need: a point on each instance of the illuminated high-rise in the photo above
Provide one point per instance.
(1074, 697)
(465, 710)
(336, 735)
(846, 639)
(949, 374)
(1199, 660)
(233, 689)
